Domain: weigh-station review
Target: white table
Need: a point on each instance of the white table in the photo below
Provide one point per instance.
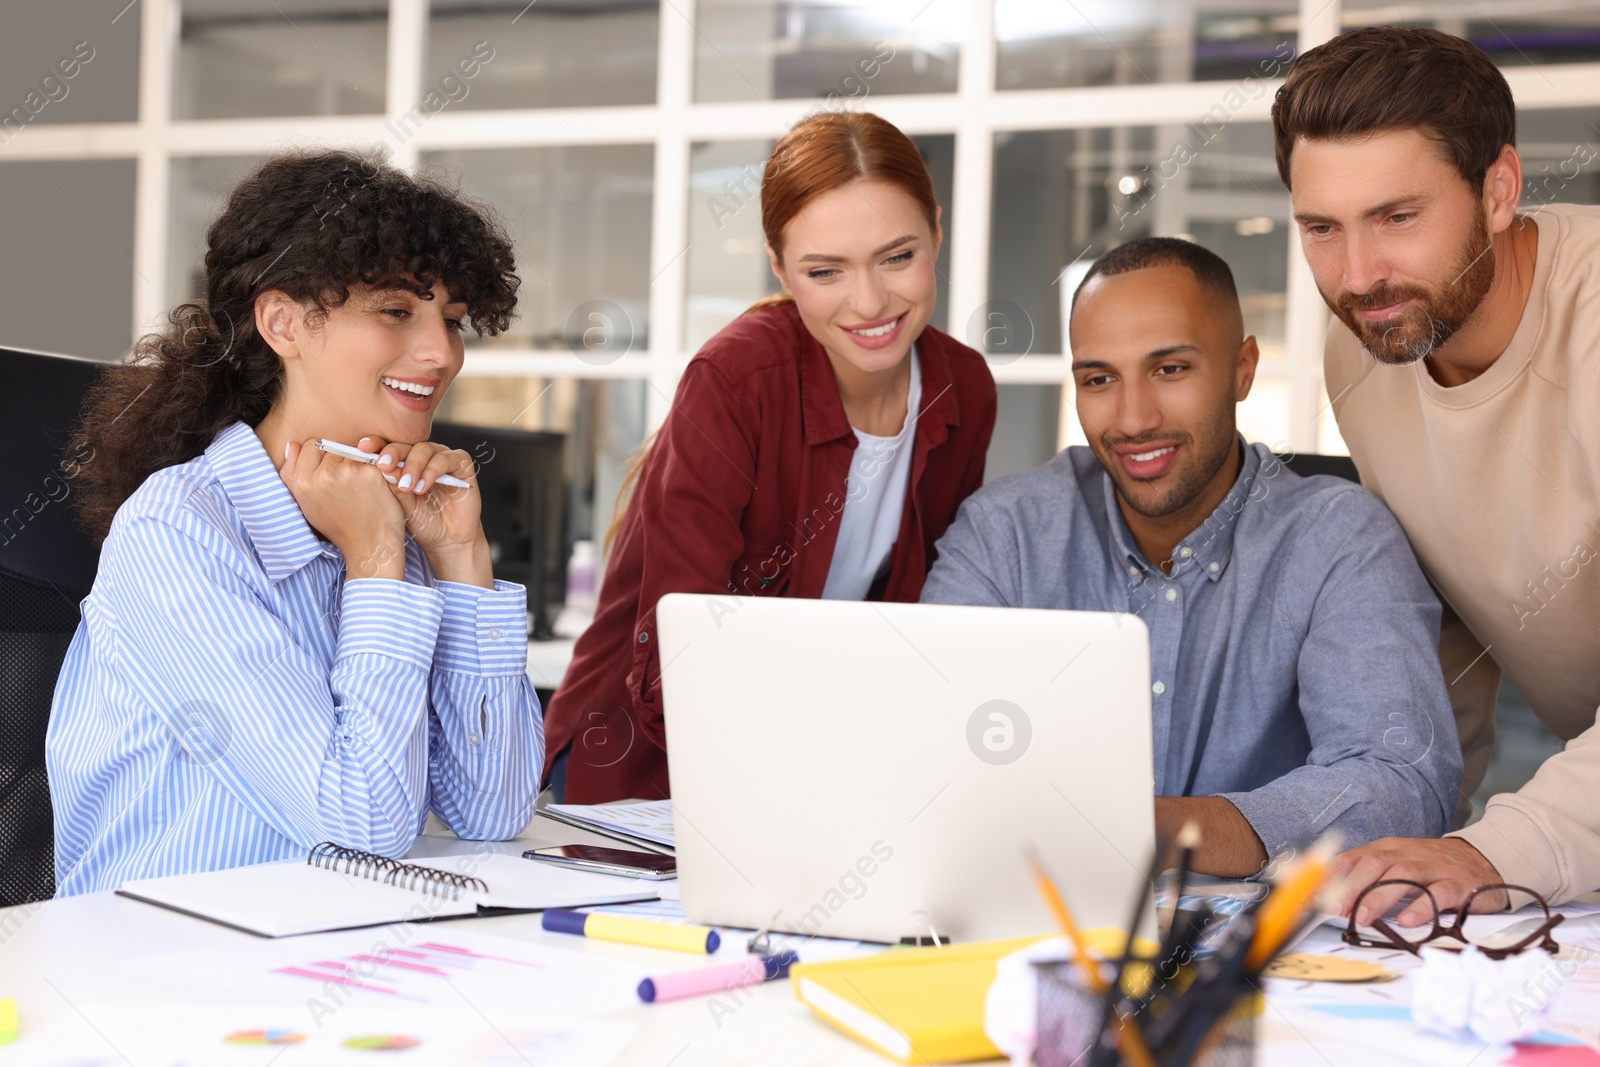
(50, 963)
(46, 948)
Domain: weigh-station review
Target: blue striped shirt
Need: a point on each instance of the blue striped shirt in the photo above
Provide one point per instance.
(229, 698)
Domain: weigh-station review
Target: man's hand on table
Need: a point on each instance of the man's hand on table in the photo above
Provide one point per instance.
(1449, 867)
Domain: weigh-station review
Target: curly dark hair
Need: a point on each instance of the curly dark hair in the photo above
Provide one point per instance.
(311, 225)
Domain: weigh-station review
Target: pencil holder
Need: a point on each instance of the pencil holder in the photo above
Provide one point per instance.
(1068, 1014)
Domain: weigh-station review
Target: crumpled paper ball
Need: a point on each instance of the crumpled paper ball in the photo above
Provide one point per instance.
(1468, 991)
(1010, 1009)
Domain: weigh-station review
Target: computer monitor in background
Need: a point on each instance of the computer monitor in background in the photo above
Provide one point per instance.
(40, 539)
(522, 478)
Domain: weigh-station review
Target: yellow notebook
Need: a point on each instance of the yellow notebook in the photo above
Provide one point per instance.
(918, 1005)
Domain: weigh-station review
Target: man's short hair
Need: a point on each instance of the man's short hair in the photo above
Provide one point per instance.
(1385, 78)
(1208, 268)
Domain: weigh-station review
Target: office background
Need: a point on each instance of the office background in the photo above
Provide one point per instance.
(623, 140)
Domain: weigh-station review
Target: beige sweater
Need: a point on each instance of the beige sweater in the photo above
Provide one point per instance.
(1497, 483)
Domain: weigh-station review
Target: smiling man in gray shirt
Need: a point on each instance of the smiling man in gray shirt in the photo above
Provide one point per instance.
(1293, 640)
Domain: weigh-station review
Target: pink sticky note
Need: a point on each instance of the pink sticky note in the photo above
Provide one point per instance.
(1553, 1056)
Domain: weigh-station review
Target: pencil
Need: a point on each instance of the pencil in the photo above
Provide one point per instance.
(1136, 1052)
(1058, 909)
(1186, 839)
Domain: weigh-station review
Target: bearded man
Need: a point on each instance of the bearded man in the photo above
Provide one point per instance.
(1464, 370)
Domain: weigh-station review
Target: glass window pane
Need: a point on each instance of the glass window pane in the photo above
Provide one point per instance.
(1064, 197)
(68, 284)
(580, 217)
(1517, 33)
(1264, 415)
(67, 63)
(727, 262)
(1560, 152)
(199, 186)
(1027, 428)
(604, 421)
(238, 59)
(1139, 42)
(1330, 442)
(798, 49)
(728, 267)
(575, 53)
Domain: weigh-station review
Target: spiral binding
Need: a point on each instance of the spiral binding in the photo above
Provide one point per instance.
(432, 881)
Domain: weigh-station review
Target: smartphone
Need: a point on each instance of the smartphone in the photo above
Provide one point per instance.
(621, 861)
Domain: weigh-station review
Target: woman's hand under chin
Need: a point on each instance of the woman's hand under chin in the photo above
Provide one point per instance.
(348, 504)
(445, 521)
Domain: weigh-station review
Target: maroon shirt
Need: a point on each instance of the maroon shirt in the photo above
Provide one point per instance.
(742, 492)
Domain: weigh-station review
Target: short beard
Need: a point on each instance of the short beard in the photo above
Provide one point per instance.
(1218, 437)
(1421, 330)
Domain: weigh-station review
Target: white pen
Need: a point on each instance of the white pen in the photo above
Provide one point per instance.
(372, 457)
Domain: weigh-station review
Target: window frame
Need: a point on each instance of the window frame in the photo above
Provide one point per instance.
(973, 114)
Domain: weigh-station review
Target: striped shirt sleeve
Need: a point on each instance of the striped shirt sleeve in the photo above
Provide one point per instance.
(317, 755)
(486, 739)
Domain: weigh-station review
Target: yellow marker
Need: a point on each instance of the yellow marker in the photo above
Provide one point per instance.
(8, 1021)
(679, 936)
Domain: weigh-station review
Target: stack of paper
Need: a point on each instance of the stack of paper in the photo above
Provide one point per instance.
(640, 822)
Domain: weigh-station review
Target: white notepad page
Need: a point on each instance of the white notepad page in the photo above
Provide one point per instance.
(292, 897)
(518, 883)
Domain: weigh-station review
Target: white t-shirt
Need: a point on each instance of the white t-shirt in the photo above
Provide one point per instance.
(875, 498)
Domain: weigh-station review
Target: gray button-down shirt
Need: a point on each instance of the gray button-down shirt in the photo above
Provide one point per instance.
(1293, 649)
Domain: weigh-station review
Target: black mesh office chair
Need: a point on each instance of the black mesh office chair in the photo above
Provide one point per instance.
(47, 564)
(1309, 464)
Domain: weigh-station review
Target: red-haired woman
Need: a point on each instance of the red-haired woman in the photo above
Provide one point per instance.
(817, 447)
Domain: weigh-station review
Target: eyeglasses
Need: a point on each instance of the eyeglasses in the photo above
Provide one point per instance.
(1448, 925)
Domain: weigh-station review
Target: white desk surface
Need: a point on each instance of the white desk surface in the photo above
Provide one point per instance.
(51, 947)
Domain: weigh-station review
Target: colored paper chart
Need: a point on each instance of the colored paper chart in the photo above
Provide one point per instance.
(101, 1034)
(1575, 1007)
(271, 1036)
(667, 911)
(405, 967)
(381, 1043)
(393, 971)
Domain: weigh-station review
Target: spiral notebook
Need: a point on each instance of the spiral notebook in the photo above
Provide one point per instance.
(338, 888)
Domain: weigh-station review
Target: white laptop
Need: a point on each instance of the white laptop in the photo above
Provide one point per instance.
(876, 771)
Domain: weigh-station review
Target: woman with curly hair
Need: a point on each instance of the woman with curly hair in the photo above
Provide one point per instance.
(817, 447)
(284, 646)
